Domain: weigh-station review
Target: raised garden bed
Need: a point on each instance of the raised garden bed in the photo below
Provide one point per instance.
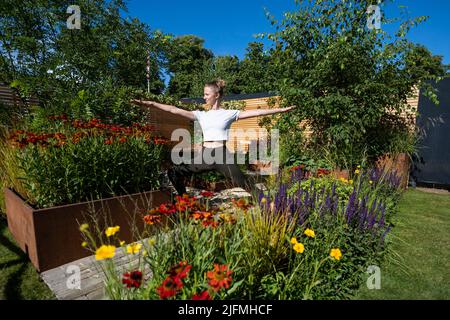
(51, 236)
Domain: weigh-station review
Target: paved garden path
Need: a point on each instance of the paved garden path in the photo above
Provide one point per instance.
(63, 280)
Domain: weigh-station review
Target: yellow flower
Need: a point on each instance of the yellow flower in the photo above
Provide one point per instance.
(151, 241)
(105, 252)
(293, 240)
(310, 233)
(358, 166)
(299, 247)
(343, 180)
(144, 253)
(112, 231)
(84, 244)
(370, 181)
(84, 227)
(350, 181)
(336, 253)
(263, 200)
(356, 171)
(134, 248)
(121, 243)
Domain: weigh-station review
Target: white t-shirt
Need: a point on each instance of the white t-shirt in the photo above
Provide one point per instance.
(216, 123)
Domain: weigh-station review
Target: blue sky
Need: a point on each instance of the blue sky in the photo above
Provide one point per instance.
(227, 26)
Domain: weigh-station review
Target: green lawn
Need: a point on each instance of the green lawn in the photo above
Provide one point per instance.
(419, 267)
(18, 278)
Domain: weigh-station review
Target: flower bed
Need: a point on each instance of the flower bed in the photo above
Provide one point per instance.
(304, 239)
(74, 161)
(71, 168)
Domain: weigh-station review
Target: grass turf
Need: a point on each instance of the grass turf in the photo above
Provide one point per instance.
(419, 265)
(18, 278)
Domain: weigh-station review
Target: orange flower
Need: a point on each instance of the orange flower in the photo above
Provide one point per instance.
(152, 219)
(220, 277)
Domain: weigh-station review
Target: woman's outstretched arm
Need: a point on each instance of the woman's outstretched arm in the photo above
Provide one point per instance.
(259, 112)
(165, 107)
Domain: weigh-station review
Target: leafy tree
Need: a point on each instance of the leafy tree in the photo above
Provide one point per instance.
(186, 61)
(347, 78)
(256, 71)
(40, 55)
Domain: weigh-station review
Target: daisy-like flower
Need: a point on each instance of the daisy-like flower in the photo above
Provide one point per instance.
(294, 240)
(220, 277)
(336, 253)
(169, 287)
(105, 252)
(151, 219)
(310, 233)
(180, 270)
(202, 296)
(132, 279)
(134, 248)
(299, 247)
(110, 231)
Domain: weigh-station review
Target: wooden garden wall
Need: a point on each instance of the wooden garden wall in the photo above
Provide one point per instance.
(166, 122)
(9, 97)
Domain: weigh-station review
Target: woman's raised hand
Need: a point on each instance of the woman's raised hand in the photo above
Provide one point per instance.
(136, 101)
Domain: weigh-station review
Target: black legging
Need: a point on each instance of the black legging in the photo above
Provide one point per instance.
(178, 172)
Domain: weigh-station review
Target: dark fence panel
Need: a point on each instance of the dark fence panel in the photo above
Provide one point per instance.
(432, 165)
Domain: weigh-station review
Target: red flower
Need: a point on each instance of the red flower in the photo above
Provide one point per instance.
(152, 219)
(322, 171)
(180, 270)
(202, 296)
(207, 194)
(132, 279)
(169, 287)
(210, 223)
(220, 277)
(122, 140)
(166, 209)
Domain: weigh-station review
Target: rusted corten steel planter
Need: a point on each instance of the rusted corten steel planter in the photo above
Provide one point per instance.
(51, 236)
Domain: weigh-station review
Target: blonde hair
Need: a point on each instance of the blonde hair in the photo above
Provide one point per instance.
(218, 85)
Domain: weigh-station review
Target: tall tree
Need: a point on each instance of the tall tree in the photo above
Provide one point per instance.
(256, 72)
(346, 77)
(186, 60)
(42, 56)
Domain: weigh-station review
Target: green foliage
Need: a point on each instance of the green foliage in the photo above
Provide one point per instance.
(68, 164)
(271, 253)
(347, 79)
(42, 57)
